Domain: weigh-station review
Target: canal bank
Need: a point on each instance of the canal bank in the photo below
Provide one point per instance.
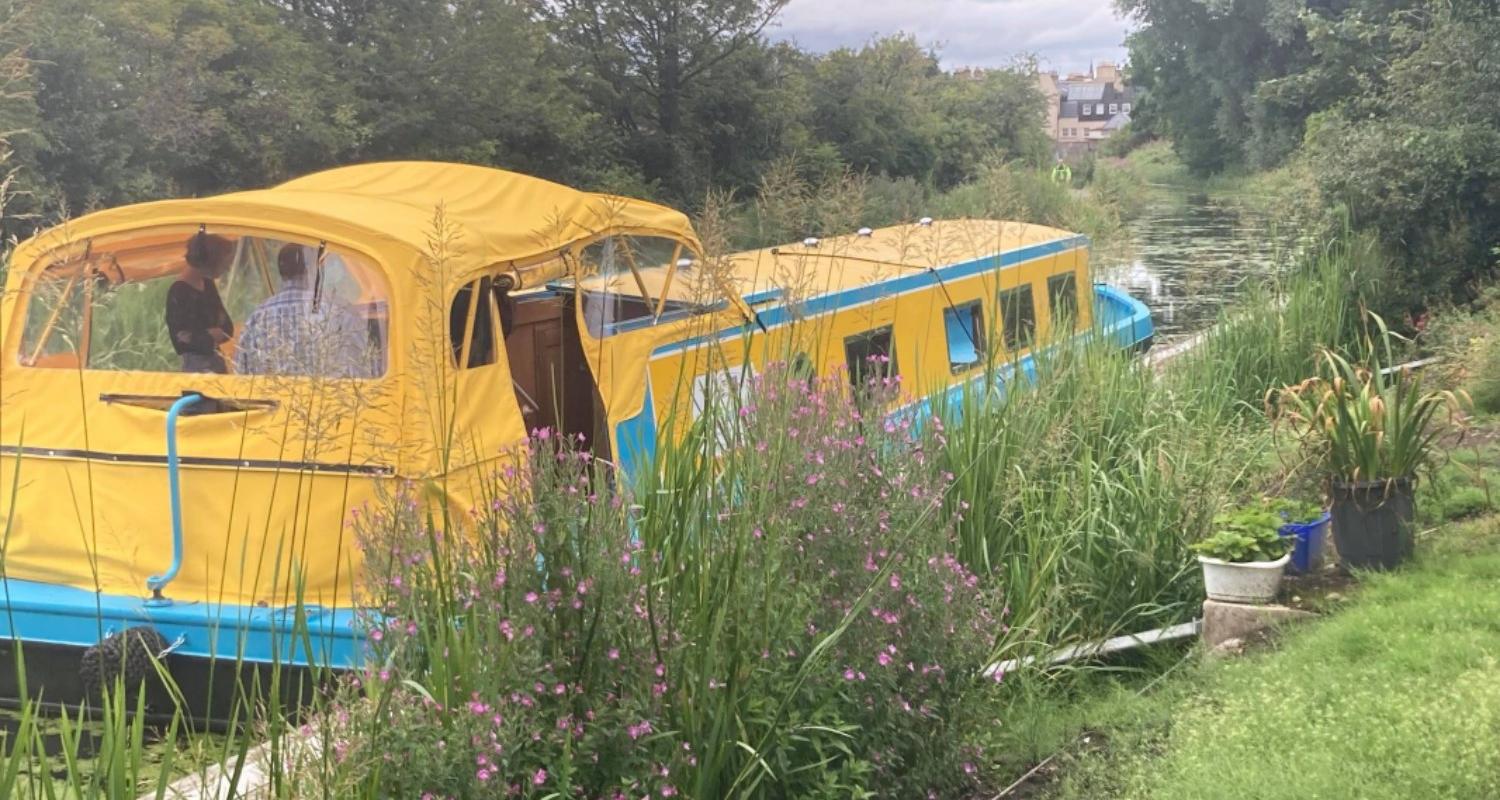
(1394, 696)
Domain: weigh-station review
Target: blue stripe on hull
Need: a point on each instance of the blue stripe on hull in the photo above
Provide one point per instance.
(64, 615)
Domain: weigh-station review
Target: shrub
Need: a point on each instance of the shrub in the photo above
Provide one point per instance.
(788, 621)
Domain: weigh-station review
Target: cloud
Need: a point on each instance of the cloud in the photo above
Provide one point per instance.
(1065, 34)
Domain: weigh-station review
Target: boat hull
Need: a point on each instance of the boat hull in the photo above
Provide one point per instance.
(214, 694)
(215, 653)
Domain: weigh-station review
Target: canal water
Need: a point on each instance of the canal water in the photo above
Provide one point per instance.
(1188, 255)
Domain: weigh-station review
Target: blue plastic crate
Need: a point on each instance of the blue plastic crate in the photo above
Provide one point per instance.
(1307, 554)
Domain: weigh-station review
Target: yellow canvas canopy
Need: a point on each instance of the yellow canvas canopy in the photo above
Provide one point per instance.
(490, 216)
(272, 478)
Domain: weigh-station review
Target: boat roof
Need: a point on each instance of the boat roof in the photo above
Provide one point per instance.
(491, 216)
(826, 266)
(513, 217)
(855, 260)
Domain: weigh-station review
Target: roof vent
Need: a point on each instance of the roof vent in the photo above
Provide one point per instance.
(925, 222)
(811, 241)
(866, 232)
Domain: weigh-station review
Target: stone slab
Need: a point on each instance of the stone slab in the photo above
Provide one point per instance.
(1224, 621)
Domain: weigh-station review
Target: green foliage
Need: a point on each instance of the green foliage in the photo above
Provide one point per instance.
(1415, 154)
(1201, 63)
(1462, 502)
(1272, 337)
(150, 98)
(1389, 110)
(1157, 163)
(813, 637)
(1483, 384)
(1082, 491)
(1245, 535)
(1125, 141)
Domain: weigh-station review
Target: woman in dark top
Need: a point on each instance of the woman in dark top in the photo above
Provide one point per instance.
(196, 319)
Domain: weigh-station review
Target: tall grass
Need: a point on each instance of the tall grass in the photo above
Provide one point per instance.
(773, 613)
(1080, 492)
(793, 203)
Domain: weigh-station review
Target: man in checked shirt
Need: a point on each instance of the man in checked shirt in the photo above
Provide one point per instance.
(287, 335)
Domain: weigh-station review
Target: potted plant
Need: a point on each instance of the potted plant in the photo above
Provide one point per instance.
(1306, 524)
(1244, 558)
(1370, 431)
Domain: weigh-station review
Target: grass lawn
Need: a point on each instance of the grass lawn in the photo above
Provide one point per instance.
(1396, 696)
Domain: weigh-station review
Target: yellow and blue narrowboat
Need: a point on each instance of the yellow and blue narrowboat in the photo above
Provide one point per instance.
(183, 468)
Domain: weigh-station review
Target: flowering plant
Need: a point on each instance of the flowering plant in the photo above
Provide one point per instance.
(772, 610)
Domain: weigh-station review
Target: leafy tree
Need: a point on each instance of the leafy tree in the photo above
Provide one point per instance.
(647, 58)
(993, 115)
(463, 80)
(1202, 61)
(141, 99)
(18, 117)
(1414, 152)
(873, 104)
(746, 113)
(144, 98)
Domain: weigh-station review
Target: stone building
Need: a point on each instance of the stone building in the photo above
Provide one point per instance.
(1085, 109)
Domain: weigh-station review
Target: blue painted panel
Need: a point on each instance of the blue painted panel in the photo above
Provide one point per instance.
(64, 615)
(1120, 317)
(635, 439)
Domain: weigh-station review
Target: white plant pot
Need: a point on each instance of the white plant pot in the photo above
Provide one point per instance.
(1250, 582)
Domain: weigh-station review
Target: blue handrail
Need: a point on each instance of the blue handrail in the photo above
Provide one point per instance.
(158, 582)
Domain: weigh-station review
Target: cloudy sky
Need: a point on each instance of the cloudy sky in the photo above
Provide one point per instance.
(1066, 34)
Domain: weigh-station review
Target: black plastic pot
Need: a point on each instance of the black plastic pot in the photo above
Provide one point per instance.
(1372, 522)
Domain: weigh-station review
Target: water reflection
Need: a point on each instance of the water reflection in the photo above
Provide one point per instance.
(1188, 255)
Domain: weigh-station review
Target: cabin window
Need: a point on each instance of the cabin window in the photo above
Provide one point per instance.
(289, 309)
(1018, 313)
(1062, 293)
(473, 315)
(871, 356)
(964, 326)
(632, 282)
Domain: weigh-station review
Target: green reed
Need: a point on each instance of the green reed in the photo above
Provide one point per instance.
(1272, 336)
(1080, 491)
